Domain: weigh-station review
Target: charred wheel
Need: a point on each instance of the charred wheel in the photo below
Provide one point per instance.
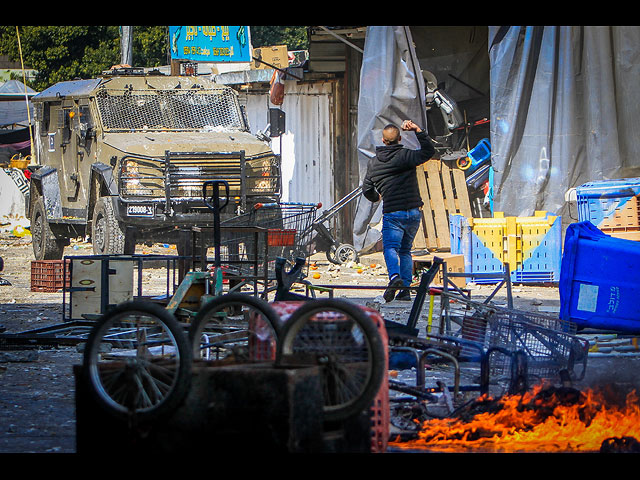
(344, 342)
(237, 327)
(137, 361)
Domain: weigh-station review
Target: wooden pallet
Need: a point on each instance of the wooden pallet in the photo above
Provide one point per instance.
(444, 191)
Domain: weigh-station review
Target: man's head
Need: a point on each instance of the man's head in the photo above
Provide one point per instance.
(390, 135)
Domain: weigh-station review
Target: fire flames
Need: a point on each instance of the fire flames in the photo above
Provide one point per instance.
(541, 420)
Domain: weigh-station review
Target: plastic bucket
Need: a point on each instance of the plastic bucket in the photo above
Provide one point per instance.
(599, 283)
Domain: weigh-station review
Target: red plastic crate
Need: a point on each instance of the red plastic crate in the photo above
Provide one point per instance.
(281, 238)
(46, 275)
(380, 406)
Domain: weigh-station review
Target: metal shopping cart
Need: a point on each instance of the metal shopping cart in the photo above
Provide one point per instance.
(541, 346)
(337, 252)
(288, 230)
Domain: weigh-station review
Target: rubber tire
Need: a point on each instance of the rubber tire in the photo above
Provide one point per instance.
(111, 241)
(183, 377)
(46, 246)
(376, 347)
(201, 318)
(343, 250)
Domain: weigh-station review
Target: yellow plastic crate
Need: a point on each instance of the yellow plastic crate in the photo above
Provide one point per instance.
(530, 245)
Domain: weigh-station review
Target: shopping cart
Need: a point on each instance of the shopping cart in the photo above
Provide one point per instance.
(547, 345)
(266, 232)
(288, 226)
(336, 251)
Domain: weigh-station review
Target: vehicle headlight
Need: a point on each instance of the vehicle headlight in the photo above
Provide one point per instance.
(263, 175)
(141, 178)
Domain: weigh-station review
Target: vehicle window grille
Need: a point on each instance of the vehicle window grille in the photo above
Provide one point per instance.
(169, 110)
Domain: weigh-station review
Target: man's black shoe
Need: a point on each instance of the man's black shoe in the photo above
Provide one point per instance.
(404, 295)
(394, 284)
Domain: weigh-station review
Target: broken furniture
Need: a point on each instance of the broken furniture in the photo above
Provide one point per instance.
(228, 408)
(138, 362)
(349, 343)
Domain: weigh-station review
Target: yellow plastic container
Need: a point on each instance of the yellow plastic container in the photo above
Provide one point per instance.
(530, 245)
(19, 162)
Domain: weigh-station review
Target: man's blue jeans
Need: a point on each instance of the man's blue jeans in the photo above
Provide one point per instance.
(398, 231)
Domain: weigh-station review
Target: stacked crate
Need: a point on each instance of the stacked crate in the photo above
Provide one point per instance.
(611, 205)
(47, 275)
(532, 246)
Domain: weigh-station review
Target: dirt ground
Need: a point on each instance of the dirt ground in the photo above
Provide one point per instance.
(37, 403)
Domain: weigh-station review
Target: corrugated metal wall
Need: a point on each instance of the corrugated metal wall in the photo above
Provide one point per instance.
(307, 147)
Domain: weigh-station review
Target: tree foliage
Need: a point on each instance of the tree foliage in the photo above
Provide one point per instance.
(295, 38)
(59, 52)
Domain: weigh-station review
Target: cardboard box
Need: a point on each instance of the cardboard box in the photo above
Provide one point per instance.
(455, 264)
(277, 55)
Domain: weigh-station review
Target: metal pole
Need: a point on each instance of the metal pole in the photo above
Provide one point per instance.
(126, 47)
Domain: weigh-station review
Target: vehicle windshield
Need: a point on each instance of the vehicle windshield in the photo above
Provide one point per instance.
(169, 110)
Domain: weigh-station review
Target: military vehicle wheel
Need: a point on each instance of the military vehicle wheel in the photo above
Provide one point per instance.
(107, 235)
(46, 246)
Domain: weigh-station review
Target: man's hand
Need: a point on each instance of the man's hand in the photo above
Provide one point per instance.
(408, 125)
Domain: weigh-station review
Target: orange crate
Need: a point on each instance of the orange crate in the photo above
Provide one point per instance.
(281, 238)
(46, 275)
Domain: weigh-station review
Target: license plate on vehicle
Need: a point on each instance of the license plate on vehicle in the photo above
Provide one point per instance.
(140, 210)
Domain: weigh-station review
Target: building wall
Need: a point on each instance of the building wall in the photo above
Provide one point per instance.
(308, 146)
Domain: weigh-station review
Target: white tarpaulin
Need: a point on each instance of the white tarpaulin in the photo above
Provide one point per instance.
(391, 90)
(13, 186)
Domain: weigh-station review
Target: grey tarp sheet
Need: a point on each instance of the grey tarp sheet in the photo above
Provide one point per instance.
(565, 106)
(391, 90)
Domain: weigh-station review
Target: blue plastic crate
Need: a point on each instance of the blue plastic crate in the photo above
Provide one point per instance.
(481, 152)
(599, 281)
(599, 202)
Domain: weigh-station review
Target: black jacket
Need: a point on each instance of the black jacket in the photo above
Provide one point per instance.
(391, 174)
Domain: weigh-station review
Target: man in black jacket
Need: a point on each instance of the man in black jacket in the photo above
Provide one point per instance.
(391, 175)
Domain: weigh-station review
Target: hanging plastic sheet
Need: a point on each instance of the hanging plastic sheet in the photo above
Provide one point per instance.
(563, 112)
(391, 90)
(14, 111)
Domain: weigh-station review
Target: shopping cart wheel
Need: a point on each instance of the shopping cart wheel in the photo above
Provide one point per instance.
(339, 337)
(342, 254)
(137, 361)
(237, 327)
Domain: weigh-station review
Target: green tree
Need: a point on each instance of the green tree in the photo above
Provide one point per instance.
(66, 52)
(295, 38)
(63, 52)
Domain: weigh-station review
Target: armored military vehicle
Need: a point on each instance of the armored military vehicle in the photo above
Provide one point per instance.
(122, 159)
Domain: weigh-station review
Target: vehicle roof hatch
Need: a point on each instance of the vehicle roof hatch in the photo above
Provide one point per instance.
(70, 88)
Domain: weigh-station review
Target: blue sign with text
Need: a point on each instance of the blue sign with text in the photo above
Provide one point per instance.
(210, 44)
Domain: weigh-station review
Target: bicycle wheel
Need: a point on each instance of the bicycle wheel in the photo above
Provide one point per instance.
(235, 327)
(137, 361)
(340, 338)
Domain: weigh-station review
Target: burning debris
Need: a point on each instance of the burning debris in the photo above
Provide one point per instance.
(543, 419)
